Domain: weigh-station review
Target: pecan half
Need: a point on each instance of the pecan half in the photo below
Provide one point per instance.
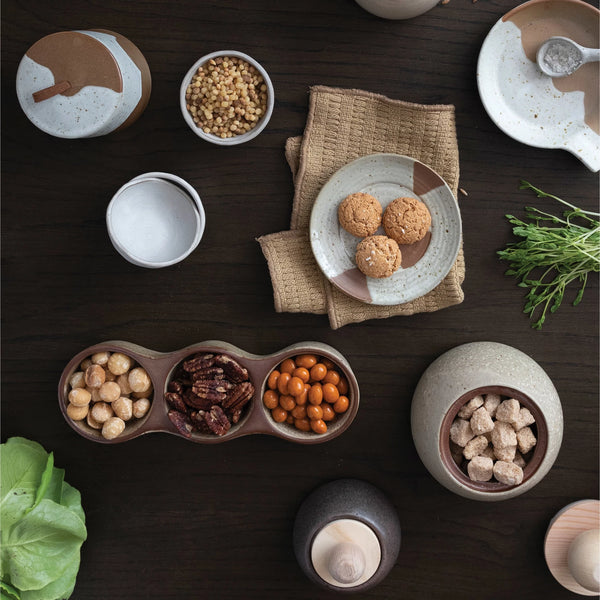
(197, 418)
(200, 361)
(217, 421)
(181, 422)
(213, 390)
(176, 387)
(233, 370)
(235, 415)
(208, 373)
(176, 401)
(194, 401)
(239, 396)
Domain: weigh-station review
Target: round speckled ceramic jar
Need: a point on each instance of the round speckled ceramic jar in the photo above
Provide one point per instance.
(479, 368)
(81, 84)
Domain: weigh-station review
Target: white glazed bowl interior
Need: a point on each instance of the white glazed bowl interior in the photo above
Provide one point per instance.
(153, 223)
(236, 139)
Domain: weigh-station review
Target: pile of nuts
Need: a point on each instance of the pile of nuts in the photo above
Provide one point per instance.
(306, 391)
(207, 393)
(109, 391)
(492, 438)
(226, 97)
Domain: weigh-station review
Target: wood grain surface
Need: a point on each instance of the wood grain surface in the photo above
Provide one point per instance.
(171, 519)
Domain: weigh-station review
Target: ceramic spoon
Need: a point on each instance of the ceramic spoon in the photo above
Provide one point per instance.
(559, 56)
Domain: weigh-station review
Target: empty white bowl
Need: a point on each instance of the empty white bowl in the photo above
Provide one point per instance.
(153, 222)
(236, 139)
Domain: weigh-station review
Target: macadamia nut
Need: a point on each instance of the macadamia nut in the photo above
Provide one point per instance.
(79, 397)
(77, 380)
(119, 363)
(109, 391)
(77, 413)
(94, 376)
(101, 412)
(100, 358)
(123, 382)
(112, 428)
(139, 380)
(123, 408)
(141, 407)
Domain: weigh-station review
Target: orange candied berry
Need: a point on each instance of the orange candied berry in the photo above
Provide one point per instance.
(302, 424)
(328, 412)
(330, 393)
(341, 404)
(318, 372)
(314, 412)
(295, 386)
(328, 363)
(282, 382)
(302, 373)
(342, 386)
(302, 399)
(287, 402)
(289, 419)
(299, 412)
(271, 399)
(332, 377)
(315, 394)
(318, 426)
(287, 366)
(272, 380)
(306, 360)
(279, 415)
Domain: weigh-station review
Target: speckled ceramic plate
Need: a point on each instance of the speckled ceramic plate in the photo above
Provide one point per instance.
(424, 264)
(526, 104)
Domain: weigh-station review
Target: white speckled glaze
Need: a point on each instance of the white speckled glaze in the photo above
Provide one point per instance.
(468, 367)
(397, 9)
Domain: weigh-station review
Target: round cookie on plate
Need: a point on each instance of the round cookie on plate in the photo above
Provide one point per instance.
(406, 220)
(360, 214)
(378, 256)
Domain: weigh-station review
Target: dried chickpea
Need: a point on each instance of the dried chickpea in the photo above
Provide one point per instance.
(287, 402)
(318, 372)
(332, 377)
(315, 394)
(302, 374)
(308, 361)
(109, 391)
(123, 408)
(295, 386)
(101, 412)
(141, 407)
(287, 366)
(77, 413)
(341, 404)
(77, 380)
(139, 380)
(282, 383)
(318, 426)
(328, 363)
(302, 424)
(272, 380)
(119, 363)
(299, 412)
(279, 415)
(100, 358)
(342, 386)
(112, 428)
(330, 393)
(94, 376)
(123, 382)
(92, 422)
(314, 412)
(271, 399)
(328, 412)
(79, 397)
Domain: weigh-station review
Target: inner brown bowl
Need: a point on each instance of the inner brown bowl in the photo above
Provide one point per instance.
(538, 453)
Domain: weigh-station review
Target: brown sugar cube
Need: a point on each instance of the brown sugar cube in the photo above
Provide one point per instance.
(457, 453)
(491, 403)
(481, 422)
(466, 412)
(475, 447)
(508, 411)
(508, 473)
(503, 435)
(507, 454)
(488, 452)
(525, 440)
(525, 418)
(460, 432)
(519, 460)
(481, 468)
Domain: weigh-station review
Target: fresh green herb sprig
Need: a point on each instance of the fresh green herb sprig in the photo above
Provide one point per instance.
(549, 258)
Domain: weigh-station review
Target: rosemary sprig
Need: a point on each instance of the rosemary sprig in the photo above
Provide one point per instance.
(549, 258)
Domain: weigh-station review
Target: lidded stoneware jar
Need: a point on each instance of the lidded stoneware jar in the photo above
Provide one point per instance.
(474, 370)
(80, 84)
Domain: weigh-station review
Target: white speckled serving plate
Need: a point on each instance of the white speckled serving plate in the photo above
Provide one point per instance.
(526, 104)
(386, 176)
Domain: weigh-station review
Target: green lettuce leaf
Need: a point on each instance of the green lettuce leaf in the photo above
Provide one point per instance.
(60, 588)
(8, 592)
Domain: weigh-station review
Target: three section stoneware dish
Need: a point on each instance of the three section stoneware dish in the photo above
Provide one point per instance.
(209, 392)
(463, 380)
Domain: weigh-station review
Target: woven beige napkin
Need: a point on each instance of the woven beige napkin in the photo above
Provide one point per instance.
(343, 125)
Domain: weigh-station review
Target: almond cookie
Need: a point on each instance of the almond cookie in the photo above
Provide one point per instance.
(378, 256)
(406, 220)
(360, 214)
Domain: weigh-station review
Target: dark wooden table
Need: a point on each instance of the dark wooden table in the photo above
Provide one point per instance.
(171, 519)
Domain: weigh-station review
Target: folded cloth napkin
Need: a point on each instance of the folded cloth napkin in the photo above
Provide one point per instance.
(343, 125)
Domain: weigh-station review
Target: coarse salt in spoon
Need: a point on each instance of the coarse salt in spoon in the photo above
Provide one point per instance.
(559, 56)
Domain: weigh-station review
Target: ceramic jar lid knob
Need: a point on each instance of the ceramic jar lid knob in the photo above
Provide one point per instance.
(346, 562)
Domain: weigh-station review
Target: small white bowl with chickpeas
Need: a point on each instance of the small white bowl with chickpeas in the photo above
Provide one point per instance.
(227, 98)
